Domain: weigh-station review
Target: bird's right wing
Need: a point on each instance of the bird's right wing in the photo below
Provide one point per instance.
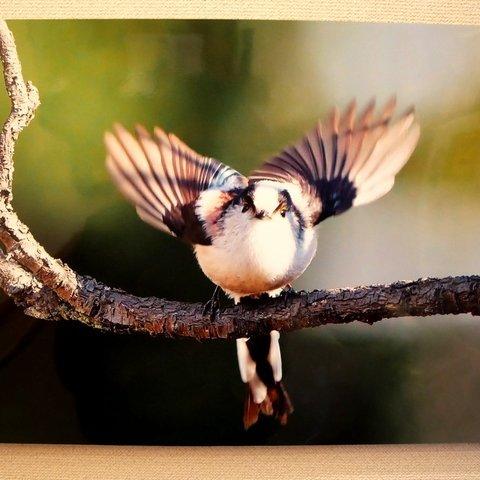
(163, 178)
(345, 161)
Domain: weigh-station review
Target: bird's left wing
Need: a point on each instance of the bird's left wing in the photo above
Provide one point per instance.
(347, 160)
(163, 178)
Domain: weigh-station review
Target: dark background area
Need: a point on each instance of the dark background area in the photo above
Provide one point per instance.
(239, 91)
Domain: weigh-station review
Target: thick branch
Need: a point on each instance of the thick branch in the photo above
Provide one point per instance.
(115, 310)
(47, 288)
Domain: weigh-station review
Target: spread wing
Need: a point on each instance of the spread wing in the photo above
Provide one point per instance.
(163, 178)
(347, 161)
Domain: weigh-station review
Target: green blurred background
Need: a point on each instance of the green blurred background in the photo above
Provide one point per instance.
(239, 91)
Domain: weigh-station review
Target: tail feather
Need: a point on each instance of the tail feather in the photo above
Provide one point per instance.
(251, 410)
(281, 404)
(277, 404)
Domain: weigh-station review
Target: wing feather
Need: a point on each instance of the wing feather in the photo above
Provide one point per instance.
(164, 178)
(347, 160)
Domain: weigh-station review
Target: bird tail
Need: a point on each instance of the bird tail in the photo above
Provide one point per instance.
(260, 365)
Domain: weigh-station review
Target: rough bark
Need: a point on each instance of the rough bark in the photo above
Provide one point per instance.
(47, 288)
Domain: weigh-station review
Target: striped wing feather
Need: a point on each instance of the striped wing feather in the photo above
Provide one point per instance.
(346, 161)
(163, 178)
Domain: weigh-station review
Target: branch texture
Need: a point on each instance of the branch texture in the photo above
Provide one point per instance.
(47, 288)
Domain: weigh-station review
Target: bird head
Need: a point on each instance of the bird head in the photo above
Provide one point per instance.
(264, 200)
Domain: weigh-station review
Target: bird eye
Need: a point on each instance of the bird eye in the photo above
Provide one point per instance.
(247, 204)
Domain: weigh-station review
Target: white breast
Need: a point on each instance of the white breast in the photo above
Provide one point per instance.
(251, 257)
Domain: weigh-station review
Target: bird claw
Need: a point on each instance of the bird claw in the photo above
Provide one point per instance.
(287, 293)
(212, 307)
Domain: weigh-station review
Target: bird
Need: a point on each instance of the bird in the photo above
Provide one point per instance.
(256, 235)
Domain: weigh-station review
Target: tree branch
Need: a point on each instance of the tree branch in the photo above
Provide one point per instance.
(47, 288)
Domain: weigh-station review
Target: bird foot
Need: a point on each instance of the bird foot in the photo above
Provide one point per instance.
(287, 293)
(212, 307)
